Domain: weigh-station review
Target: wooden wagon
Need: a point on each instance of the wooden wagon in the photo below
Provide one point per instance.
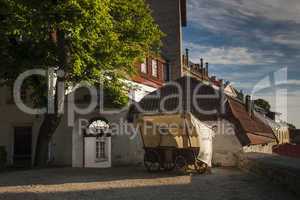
(171, 141)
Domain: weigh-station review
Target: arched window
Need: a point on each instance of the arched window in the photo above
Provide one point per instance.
(98, 127)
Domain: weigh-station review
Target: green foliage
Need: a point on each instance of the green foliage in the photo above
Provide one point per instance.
(263, 104)
(240, 95)
(291, 126)
(102, 38)
(3, 156)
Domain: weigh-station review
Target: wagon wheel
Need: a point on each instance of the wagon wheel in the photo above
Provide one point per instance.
(181, 163)
(152, 161)
(169, 166)
(200, 166)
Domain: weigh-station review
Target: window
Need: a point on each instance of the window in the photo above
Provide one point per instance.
(154, 68)
(100, 150)
(144, 66)
(98, 127)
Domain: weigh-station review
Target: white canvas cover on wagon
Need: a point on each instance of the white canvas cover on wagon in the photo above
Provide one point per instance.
(178, 131)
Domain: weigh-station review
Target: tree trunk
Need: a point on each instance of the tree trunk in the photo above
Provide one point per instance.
(47, 129)
(52, 121)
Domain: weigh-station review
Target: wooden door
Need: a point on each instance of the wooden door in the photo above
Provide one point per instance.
(22, 146)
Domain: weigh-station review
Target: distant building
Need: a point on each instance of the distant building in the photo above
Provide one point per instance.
(198, 71)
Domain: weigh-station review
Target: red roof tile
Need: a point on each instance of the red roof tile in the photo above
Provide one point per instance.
(257, 131)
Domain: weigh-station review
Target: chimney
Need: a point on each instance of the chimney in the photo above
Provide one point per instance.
(227, 83)
(221, 81)
(187, 57)
(242, 96)
(201, 63)
(201, 66)
(206, 69)
(249, 105)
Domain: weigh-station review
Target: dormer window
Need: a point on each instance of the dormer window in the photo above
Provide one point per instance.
(154, 68)
(144, 66)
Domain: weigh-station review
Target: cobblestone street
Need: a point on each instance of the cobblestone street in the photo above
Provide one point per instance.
(134, 183)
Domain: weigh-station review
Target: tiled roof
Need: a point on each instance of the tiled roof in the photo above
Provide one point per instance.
(151, 103)
(145, 81)
(251, 129)
(254, 127)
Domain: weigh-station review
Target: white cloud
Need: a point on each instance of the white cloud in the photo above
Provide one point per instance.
(279, 25)
(290, 39)
(233, 56)
(212, 15)
(293, 82)
(278, 10)
(226, 55)
(232, 17)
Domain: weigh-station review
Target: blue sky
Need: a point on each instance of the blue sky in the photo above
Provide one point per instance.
(255, 44)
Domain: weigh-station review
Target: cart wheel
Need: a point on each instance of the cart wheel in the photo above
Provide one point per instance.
(200, 166)
(168, 166)
(181, 163)
(151, 161)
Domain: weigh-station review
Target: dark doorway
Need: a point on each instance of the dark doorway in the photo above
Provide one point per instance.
(22, 146)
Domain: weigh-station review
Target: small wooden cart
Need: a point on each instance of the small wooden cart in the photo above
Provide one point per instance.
(170, 143)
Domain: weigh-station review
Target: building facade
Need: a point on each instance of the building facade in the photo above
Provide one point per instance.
(170, 15)
(71, 145)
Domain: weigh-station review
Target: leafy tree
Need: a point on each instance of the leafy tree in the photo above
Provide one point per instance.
(263, 104)
(240, 94)
(291, 126)
(87, 39)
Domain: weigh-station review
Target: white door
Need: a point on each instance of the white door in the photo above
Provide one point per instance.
(97, 145)
(97, 152)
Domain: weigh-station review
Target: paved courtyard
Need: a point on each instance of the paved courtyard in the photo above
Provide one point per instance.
(134, 183)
